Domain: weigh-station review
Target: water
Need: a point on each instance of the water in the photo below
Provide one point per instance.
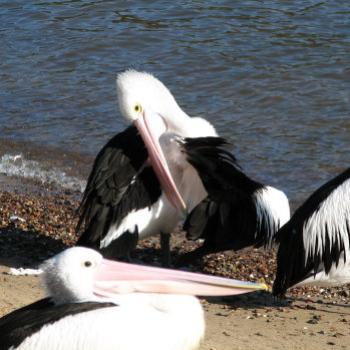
(272, 76)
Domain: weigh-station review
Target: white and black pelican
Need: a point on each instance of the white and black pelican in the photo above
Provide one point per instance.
(134, 189)
(238, 211)
(314, 244)
(100, 304)
(141, 184)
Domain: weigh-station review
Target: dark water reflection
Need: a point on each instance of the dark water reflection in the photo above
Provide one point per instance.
(274, 77)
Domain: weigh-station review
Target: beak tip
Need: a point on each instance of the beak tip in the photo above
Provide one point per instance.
(265, 287)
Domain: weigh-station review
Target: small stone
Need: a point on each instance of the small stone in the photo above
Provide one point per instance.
(14, 218)
(312, 321)
(310, 307)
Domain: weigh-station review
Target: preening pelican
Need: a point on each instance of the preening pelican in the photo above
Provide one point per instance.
(135, 189)
(314, 244)
(101, 304)
(142, 184)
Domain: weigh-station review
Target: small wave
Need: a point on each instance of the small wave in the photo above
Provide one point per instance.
(17, 165)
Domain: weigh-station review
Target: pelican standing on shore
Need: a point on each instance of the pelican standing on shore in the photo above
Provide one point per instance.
(100, 304)
(141, 183)
(314, 245)
(135, 189)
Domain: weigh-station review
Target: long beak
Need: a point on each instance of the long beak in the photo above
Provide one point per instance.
(119, 278)
(150, 127)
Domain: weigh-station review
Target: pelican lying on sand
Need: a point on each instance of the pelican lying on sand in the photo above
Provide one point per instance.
(101, 304)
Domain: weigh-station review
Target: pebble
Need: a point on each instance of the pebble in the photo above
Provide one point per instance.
(310, 307)
(314, 319)
(14, 218)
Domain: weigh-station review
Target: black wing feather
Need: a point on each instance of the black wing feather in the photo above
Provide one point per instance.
(22, 323)
(119, 182)
(291, 265)
(227, 218)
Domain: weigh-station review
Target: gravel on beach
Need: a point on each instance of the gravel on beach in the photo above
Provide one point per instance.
(36, 226)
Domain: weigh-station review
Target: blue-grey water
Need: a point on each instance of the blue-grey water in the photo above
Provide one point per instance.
(272, 76)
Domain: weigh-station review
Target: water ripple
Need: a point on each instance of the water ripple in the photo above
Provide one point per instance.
(274, 78)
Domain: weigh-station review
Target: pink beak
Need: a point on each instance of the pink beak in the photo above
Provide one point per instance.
(121, 278)
(150, 127)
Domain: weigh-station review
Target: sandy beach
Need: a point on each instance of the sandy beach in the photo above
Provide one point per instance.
(36, 226)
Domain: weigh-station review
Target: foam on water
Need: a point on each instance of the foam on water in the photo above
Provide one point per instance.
(17, 165)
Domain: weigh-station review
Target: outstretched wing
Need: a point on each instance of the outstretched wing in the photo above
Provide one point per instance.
(317, 236)
(120, 181)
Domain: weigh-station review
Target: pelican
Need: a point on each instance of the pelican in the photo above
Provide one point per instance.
(135, 189)
(314, 244)
(141, 184)
(99, 304)
(238, 212)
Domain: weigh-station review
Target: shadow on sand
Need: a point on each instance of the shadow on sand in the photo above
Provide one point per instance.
(19, 248)
(254, 300)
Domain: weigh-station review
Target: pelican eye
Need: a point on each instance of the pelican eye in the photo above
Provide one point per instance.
(138, 108)
(87, 263)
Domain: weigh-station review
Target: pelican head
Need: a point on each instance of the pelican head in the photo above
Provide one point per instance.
(140, 93)
(68, 276)
(81, 274)
(146, 102)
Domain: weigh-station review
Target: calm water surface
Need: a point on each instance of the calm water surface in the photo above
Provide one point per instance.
(272, 76)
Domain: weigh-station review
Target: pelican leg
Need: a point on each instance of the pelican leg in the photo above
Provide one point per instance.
(191, 257)
(165, 247)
